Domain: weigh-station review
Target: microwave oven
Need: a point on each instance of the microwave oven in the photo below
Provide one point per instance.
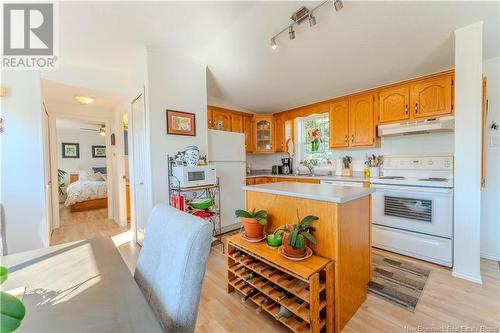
(197, 175)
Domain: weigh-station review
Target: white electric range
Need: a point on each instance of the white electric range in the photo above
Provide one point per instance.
(412, 208)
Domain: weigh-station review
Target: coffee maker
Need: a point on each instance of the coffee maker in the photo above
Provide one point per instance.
(286, 169)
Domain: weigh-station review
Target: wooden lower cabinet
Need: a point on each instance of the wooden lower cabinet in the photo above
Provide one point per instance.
(265, 180)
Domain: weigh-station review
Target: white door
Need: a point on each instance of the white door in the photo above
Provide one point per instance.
(139, 166)
(47, 178)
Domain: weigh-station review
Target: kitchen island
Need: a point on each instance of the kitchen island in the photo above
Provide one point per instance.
(343, 234)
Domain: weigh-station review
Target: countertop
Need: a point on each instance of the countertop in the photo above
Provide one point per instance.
(354, 178)
(320, 192)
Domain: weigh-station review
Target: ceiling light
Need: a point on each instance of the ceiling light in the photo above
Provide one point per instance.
(338, 5)
(312, 20)
(291, 32)
(102, 130)
(274, 46)
(84, 99)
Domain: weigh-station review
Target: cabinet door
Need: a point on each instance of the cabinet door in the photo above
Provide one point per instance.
(432, 97)
(210, 117)
(248, 130)
(361, 122)
(279, 134)
(237, 123)
(261, 180)
(394, 104)
(264, 134)
(339, 124)
(221, 118)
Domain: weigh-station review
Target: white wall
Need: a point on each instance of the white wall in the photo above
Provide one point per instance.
(467, 199)
(86, 139)
(22, 166)
(490, 198)
(178, 84)
(414, 144)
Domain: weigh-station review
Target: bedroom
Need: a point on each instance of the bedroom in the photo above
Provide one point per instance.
(85, 154)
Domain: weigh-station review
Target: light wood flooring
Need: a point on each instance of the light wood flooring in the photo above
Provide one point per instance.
(84, 225)
(446, 301)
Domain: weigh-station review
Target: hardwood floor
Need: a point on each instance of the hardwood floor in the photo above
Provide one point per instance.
(84, 225)
(446, 301)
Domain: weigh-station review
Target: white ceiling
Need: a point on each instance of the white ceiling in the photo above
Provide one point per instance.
(364, 45)
(78, 125)
(55, 93)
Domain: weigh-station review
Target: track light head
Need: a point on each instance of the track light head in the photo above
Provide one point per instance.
(312, 20)
(338, 4)
(274, 46)
(291, 32)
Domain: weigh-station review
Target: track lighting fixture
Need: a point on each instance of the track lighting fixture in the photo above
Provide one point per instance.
(338, 4)
(300, 16)
(312, 20)
(274, 46)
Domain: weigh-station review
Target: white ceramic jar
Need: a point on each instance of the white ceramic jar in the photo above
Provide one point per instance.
(191, 155)
(374, 172)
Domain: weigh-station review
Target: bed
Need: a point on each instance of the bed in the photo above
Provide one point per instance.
(86, 194)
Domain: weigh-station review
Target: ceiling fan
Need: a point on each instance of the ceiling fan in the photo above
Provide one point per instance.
(101, 130)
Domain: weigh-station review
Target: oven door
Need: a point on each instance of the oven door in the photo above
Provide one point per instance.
(419, 209)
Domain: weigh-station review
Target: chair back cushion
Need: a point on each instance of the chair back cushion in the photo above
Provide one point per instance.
(171, 266)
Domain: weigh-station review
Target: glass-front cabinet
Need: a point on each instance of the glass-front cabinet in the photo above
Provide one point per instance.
(264, 134)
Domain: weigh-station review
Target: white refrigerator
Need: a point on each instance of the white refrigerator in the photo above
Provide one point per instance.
(226, 150)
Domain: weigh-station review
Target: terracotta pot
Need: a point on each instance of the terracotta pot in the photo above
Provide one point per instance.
(290, 250)
(253, 229)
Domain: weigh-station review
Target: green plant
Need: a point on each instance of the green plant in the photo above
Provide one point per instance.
(260, 216)
(12, 310)
(298, 233)
(61, 174)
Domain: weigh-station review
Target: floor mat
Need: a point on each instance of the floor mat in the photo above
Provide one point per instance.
(397, 281)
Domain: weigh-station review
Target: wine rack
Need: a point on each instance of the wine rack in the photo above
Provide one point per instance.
(296, 293)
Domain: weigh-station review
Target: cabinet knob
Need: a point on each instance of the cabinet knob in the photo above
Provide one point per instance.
(406, 108)
(416, 107)
(352, 138)
(345, 139)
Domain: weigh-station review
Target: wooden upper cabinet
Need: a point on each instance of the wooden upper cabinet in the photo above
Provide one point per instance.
(248, 130)
(394, 104)
(361, 120)
(279, 134)
(237, 123)
(264, 134)
(339, 124)
(221, 117)
(432, 97)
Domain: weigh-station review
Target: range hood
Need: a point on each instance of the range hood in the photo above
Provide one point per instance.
(442, 124)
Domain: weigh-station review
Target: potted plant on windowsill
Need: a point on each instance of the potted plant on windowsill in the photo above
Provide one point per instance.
(296, 236)
(253, 222)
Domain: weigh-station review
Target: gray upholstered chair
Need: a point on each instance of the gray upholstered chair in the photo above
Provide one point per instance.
(171, 266)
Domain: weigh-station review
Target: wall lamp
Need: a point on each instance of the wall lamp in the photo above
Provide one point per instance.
(302, 14)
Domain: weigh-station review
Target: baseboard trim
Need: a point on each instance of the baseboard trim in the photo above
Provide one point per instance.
(232, 227)
(472, 278)
(490, 256)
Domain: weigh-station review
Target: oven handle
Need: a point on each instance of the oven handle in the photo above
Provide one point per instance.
(413, 189)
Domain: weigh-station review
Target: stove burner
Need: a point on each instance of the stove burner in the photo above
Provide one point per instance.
(391, 177)
(433, 179)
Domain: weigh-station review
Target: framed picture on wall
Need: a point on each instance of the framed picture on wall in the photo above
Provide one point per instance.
(98, 151)
(181, 123)
(70, 150)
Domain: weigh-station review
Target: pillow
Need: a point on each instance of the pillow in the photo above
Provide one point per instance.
(97, 177)
(85, 175)
(100, 169)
